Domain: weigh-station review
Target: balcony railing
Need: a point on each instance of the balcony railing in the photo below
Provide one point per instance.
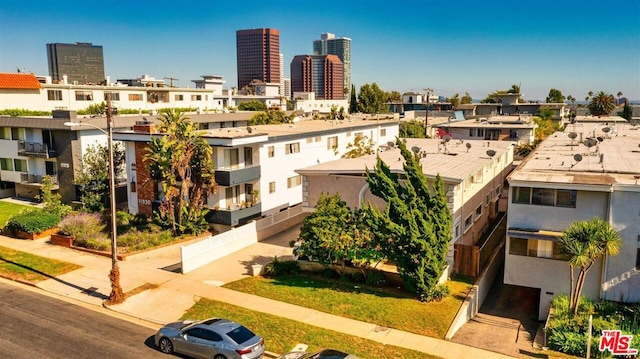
(36, 179)
(35, 149)
(233, 176)
(233, 217)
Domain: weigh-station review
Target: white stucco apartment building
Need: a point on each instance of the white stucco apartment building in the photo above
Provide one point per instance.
(565, 181)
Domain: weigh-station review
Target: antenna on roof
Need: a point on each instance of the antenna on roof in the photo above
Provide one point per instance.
(491, 153)
(415, 149)
(577, 157)
(468, 145)
(391, 144)
(249, 129)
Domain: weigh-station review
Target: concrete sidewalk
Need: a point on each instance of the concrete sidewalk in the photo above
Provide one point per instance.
(175, 293)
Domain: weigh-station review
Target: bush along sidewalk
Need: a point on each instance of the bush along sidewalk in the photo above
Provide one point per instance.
(32, 224)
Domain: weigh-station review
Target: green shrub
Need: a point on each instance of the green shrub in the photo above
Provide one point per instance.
(16, 112)
(131, 111)
(277, 268)
(356, 277)
(376, 278)
(329, 273)
(32, 221)
(436, 293)
(100, 243)
(136, 240)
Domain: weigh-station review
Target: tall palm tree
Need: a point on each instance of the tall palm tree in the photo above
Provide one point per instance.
(619, 96)
(583, 243)
(601, 103)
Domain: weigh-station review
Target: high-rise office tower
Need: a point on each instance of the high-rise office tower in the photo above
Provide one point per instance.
(339, 46)
(282, 75)
(258, 56)
(321, 74)
(82, 62)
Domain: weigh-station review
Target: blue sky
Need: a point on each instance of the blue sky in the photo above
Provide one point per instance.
(475, 46)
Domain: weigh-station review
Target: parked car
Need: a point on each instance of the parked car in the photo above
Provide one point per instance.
(215, 338)
(324, 354)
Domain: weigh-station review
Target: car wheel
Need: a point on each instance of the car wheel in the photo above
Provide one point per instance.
(219, 356)
(166, 346)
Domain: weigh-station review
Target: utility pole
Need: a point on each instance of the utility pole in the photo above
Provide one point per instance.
(426, 112)
(171, 79)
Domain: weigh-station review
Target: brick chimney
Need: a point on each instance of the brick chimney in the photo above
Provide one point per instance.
(145, 126)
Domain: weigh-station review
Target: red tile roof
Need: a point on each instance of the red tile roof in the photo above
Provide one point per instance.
(19, 81)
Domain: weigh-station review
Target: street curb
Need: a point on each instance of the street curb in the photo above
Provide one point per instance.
(21, 281)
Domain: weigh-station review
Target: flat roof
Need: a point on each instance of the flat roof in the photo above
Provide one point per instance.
(614, 160)
(455, 165)
(493, 122)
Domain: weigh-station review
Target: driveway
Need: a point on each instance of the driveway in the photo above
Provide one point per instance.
(507, 321)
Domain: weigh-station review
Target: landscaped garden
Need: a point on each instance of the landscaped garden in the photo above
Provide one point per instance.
(281, 334)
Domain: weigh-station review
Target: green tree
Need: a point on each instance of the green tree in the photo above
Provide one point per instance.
(626, 112)
(181, 161)
(253, 105)
(93, 179)
(411, 129)
(414, 229)
(454, 100)
(514, 89)
(353, 103)
(601, 104)
(555, 96)
(494, 97)
(393, 96)
(52, 200)
(271, 117)
(583, 244)
(333, 113)
(546, 127)
(332, 233)
(371, 99)
(362, 145)
(466, 99)
(619, 96)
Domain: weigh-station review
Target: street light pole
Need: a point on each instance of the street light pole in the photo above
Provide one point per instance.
(116, 295)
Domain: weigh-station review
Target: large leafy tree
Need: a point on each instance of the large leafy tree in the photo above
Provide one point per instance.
(181, 161)
(335, 234)
(271, 117)
(466, 99)
(371, 99)
(93, 179)
(454, 100)
(393, 96)
(601, 103)
(555, 96)
(583, 244)
(412, 129)
(546, 127)
(414, 229)
(253, 105)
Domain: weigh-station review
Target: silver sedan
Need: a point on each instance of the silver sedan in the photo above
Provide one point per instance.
(211, 338)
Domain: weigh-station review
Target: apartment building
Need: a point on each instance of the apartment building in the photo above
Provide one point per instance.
(519, 129)
(473, 172)
(589, 170)
(255, 165)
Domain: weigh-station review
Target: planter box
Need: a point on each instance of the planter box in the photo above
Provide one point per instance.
(39, 235)
(61, 240)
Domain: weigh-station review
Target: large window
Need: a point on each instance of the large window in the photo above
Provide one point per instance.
(5, 133)
(535, 248)
(292, 148)
(545, 196)
(6, 164)
(332, 142)
(135, 97)
(20, 165)
(115, 96)
(54, 95)
(294, 181)
(84, 95)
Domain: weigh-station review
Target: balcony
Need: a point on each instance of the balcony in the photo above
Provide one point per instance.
(35, 149)
(233, 217)
(232, 176)
(28, 178)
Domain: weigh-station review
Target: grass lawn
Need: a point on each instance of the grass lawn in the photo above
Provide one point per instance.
(281, 334)
(28, 267)
(8, 209)
(394, 309)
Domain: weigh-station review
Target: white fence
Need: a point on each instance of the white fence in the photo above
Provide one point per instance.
(215, 247)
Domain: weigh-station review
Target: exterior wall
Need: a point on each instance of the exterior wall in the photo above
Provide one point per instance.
(321, 106)
(622, 277)
(145, 186)
(524, 135)
(589, 204)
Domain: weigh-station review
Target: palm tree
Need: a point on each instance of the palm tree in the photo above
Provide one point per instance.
(583, 243)
(619, 96)
(601, 103)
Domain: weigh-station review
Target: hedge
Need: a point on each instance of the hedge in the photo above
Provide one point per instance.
(32, 221)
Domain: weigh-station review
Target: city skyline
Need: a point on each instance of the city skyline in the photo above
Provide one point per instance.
(573, 46)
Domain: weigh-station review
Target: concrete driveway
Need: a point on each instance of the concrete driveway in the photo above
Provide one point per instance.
(507, 321)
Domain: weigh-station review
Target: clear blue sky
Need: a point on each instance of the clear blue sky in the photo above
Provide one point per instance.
(450, 46)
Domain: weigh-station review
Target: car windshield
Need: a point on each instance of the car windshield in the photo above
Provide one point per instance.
(241, 334)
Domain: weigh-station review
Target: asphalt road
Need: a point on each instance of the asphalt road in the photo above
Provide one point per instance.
(37, 326)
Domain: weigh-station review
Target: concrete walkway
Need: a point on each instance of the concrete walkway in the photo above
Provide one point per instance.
(175, 293)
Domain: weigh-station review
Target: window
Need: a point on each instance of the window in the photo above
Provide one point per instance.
(478, 211)
(272, 187)
(332, 142)
(20, 165)
(318, 139)
(271, 151)
(477, 178)
(521, 195)
(310, 140)
(535, 248)
(115, 96)
(487, 199)
(179, 97)
(543, 196)
(361, 134)
(456, 231)
(294, 181)
(498, 191)
(196, 97)
(566, 198)
(135, 97)
(292, 148)
(383, 132)
(240, 334)
(468, 222)
(518, 246)
(6, 164)
(5, 133)
(18, 134)
(248, 156)
(638, 259)
(84, 95)
(54, 95)
(348, 133)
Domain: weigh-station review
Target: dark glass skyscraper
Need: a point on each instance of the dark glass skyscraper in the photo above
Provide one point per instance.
(82, 62)
(258, 56)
